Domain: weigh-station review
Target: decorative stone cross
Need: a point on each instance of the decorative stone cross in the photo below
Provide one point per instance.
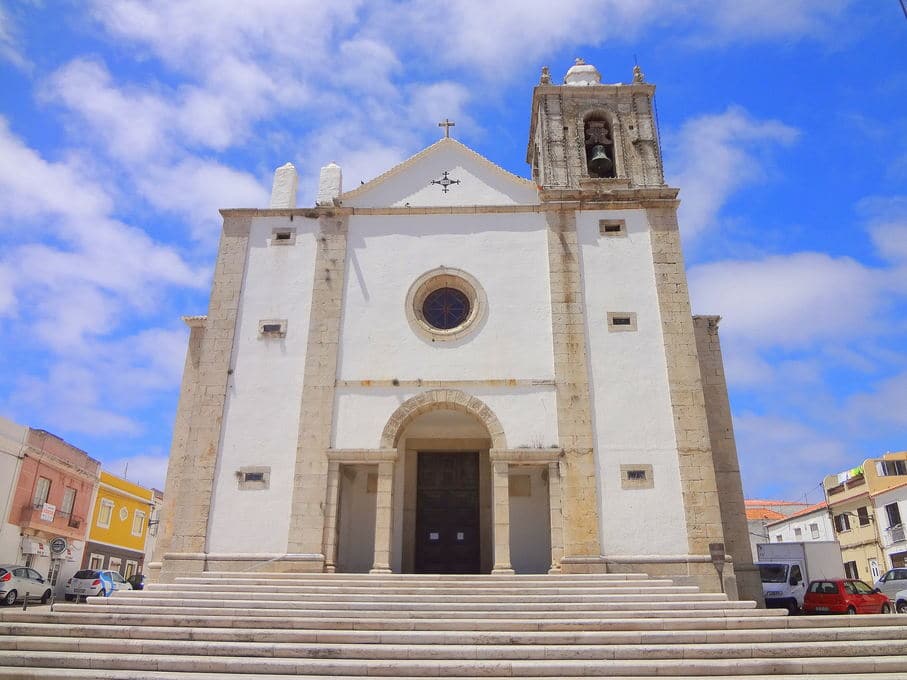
(446, 124)
(445, 181)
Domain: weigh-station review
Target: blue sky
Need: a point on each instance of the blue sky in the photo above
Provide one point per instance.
(125, 126)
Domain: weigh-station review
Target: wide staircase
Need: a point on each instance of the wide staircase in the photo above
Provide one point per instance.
(240, 625)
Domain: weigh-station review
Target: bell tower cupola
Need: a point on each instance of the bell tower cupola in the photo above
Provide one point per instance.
(595, 137)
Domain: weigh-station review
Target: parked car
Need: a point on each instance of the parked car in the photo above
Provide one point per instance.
(137, 581)
(94, 583)
(891, 582)
(17, 580)
(900, 601)
(844, 596)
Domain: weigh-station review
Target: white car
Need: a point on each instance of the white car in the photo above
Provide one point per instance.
(94, 583)
(900, 601)
(16, 581)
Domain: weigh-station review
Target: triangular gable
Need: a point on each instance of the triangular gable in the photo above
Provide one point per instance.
(475, 180)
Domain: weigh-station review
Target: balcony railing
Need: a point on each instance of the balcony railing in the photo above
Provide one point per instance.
(62, 522)
(896, 533)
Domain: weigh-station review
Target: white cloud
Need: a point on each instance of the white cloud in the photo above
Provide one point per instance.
(145, 469)
(10, 44)
(713, 156)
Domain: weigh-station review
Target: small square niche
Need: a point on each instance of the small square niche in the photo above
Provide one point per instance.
(636, 476)
(621, 321)
(272, 328)
(283, 236)
(612, 228)
(252, 478)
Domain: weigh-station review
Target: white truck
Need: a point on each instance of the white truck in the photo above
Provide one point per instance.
(787, 568)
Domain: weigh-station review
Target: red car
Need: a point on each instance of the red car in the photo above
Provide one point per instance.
(844, 596)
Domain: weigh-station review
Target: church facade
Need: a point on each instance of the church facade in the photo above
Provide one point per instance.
(452, 369)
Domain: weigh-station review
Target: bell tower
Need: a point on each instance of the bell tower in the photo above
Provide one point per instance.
(585, 135)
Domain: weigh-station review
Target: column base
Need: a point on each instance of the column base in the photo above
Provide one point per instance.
(380, 570)
(555, 570)
(504, 571)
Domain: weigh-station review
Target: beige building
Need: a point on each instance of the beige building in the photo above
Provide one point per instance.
(850, 495)
(453, 369)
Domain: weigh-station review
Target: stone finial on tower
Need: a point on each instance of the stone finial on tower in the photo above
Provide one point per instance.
(545, 78)
(582, 74)
(283, 191)
(638, 75)
(330, 184)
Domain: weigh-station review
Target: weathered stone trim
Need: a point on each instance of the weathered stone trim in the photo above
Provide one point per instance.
(196, 440)
(526, 456)
(445, 277)
(492, 382)
(694, 450)
(361, 456)
(433, 400)
(307, 512)
(724, 456)
(500, 510)
(574, 409)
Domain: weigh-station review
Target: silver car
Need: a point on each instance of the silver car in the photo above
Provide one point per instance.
(892, 581)
(17, 580)
(900, 601)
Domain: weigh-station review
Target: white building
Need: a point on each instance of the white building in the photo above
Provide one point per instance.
(454, 369)
(12, 452)
(890, 510)
(810, 524)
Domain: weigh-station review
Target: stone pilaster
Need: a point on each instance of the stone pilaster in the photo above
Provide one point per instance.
(500, 504)
(332, 501)
(307, 513)
(724, 457)
(574, 412)
(197, 434)
(384, 515)
(691, 430)
(555, 505)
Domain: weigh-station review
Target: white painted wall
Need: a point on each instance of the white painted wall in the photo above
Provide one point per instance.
(261, 420)
(12, 438)
(527, 414)
(897, 495)
(530, 525)
(506, 253)
(787, 528)
(356, 549)
(633, 420)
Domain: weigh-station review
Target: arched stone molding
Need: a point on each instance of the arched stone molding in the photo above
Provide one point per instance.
(435, 400)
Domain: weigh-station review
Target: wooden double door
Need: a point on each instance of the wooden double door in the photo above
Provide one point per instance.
(447, 513)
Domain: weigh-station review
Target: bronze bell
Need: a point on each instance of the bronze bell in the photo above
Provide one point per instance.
(599, 163)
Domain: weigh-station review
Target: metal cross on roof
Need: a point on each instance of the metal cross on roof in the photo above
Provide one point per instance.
(445, 181)
(446, 124)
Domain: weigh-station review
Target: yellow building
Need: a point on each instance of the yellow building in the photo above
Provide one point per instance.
(119, 526)
(850, 497)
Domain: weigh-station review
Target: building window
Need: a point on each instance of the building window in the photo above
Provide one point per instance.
(283, 236)
(445, 308)
(131, 568)
(115, 564)
(272, 328)
(621, 321)
(105, 513)
(599, 147)
(638, 476)
(842, 523)
(850, 570)
(42, 491)
(445, 304)
(96, 561)
(69, 500)
(863, 516)
(778, 538)
(798, 533)
(138, 523)
(888, 468)
(252, 478)
(814, 530)
(612, 227)
(894, 514)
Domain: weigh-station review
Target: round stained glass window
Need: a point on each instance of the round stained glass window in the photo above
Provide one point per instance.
(445, 308)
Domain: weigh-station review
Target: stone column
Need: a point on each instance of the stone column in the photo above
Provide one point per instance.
(384, 509)
(330, 517)
(557, 517)
(500, 499)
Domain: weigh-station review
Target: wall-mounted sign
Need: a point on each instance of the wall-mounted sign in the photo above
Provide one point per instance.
(58, 545)
(47, 512)
(433, 535)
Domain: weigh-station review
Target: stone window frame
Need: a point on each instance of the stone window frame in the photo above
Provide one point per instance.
(620, 232)
(255, 484)
(279, 231)
(622, 328)
(281, 333)
(445, 277)
(647, 482)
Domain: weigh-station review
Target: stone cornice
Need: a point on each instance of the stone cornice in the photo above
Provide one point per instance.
(526, 456)
(361, 455)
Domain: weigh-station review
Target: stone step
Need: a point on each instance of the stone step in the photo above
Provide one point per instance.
(84, 674)
(817, 666)
(352, 598)
(457, 652)
(691, 620)
(279, 587)
(412, 578)
(114, 629)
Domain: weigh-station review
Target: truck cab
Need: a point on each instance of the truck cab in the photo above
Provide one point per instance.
(783, 585)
